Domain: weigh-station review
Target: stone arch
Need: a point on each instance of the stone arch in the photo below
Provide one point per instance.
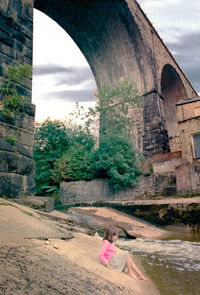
(98, 27)
(173, 90)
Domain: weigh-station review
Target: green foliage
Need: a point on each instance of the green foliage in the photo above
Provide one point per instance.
(57, 201)
(12, 139)
(114, 105)
(74, 165)
(14, 101)
(4, 197)
(51, 142)
(68, 154)
(59, 149)
(116, 160)
(80, 135)
(27, 213)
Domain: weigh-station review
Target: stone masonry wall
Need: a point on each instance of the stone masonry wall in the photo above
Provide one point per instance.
(17, 167)
(77, 192)
(188, 179)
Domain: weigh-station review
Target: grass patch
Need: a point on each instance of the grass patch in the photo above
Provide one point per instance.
(27, 213)
(4, 197)
(5, 204)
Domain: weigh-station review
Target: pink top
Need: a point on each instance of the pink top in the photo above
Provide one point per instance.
(107, 251)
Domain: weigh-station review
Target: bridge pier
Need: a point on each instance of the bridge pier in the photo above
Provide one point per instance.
(17, 167)
(155, 137)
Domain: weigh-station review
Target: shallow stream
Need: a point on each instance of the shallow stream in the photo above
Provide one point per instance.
(173, 265)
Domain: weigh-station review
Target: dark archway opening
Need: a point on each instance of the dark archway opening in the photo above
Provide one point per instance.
(173, 90)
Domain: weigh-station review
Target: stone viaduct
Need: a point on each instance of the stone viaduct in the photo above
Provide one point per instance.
(119, 42)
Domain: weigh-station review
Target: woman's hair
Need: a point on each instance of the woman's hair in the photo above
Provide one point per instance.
(110, 233)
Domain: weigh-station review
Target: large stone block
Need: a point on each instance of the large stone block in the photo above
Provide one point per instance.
(16, 163)
(29, 185)
(24, 136)
(13, 185)
(16, 148)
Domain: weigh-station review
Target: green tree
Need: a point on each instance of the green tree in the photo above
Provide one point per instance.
(114, 105)
(81, 135)
(117, 161)
(51, 142)
(75, 164)
(68, 154)
(61, 153)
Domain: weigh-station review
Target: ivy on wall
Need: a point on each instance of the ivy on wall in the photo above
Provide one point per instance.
(14, 101)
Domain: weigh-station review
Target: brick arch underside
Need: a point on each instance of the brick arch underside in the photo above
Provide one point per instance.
(173, 90)
(108, 36)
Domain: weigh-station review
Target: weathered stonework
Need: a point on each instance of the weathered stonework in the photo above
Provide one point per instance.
(17, 169)
(188, 115)
(119, 42)
(79, 192)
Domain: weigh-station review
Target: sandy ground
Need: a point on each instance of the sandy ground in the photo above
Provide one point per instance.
(31, 264)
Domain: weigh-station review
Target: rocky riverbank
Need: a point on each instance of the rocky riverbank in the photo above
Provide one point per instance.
(50, 254)
(182, 214)
(128, 226)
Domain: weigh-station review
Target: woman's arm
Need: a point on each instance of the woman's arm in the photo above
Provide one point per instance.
(108, 265)
(103, 251)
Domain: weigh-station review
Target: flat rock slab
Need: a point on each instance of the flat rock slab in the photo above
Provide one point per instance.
(102, 218)
(18, 222)
(84, 249)
(58, 266)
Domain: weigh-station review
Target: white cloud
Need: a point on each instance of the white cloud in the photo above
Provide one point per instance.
(172, 18)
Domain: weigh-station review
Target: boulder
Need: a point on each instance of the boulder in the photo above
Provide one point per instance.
(40, 203)
(102, 218)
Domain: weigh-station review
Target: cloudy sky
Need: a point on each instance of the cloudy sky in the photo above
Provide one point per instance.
(62, 75)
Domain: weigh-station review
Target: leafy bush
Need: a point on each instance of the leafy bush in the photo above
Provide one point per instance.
(116, 160)
(68, 154)
(80, 135)
(74, 165)
(51, 142)
(60, 154)
(14, 101)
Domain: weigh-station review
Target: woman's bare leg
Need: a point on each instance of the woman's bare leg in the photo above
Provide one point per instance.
(129, 268)
(135, 268)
